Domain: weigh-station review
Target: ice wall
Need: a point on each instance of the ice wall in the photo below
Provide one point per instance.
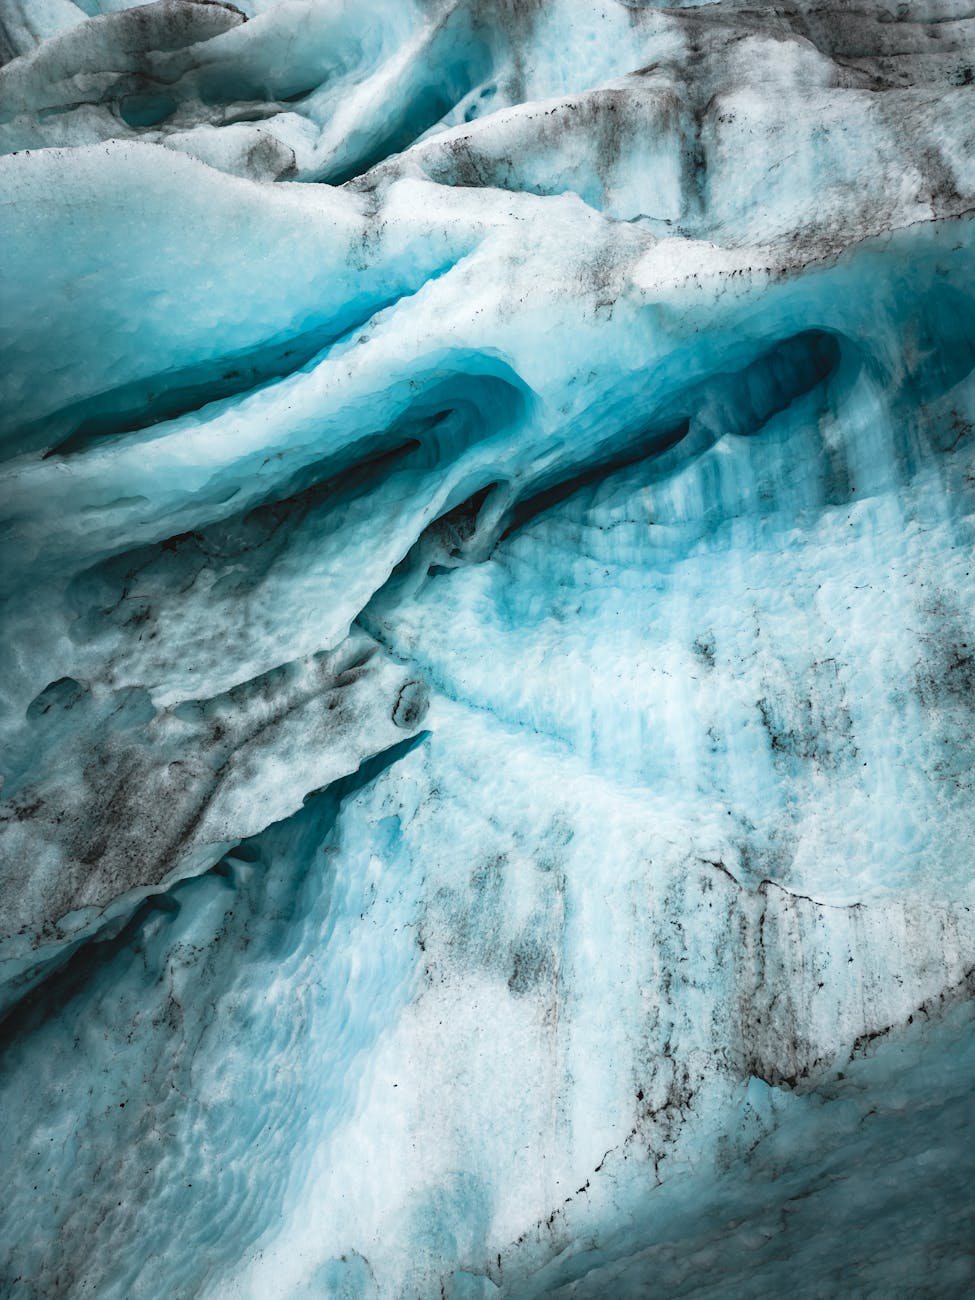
(486, 730)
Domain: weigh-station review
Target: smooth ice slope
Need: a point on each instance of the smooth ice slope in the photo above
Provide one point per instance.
(487, 719)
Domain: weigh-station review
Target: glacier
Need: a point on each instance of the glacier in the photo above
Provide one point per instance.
(487, 729)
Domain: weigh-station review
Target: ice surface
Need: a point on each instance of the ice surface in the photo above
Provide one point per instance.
(487, 711)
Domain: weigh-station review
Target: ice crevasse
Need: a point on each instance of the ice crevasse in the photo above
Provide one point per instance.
(487, 719)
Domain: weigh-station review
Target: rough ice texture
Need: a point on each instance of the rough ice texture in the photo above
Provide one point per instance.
(487, 725)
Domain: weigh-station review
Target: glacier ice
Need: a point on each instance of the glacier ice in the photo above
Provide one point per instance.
(487, 723)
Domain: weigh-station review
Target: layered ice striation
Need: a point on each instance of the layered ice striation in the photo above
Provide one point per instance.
(488, 708)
